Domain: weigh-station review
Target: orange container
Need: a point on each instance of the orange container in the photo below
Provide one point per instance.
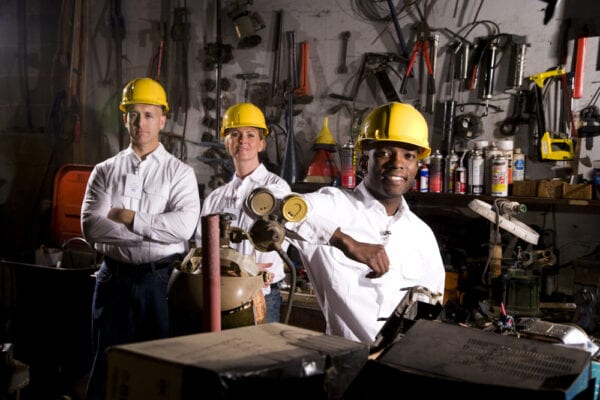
(69, 188)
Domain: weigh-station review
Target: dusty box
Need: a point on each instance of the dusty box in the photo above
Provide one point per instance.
(550, 189)
(582, 191)
(269, 361)
(525, 188)
(440, 358)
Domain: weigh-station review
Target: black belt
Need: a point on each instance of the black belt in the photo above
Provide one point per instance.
(144, 268)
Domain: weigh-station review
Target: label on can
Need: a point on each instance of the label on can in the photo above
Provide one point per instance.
(499, 177)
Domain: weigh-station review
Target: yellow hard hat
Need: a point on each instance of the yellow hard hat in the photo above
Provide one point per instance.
(243, 114)
(144, 91)
(396, 122)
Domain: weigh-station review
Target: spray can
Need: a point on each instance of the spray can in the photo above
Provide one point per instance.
(518, 169)
(490, 152)
(451, 163)
(476, 173)
(424, 177)
(499, 172)
(435, 172)
(415, 184)
(347, 165)
(460, 180)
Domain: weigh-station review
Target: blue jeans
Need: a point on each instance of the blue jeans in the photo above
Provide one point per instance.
(273, 301)
(128, 306)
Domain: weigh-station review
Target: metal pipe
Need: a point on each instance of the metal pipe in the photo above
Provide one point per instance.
(211, 273)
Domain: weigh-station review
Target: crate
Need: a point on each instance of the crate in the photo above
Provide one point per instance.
(525, 188)
(550, 189)
(582, 191)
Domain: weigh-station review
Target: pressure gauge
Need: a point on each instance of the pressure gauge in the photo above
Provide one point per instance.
(293, 208)
(261, 202)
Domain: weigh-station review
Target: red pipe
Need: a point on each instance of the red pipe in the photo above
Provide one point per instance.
(211, 273)
(579, 68)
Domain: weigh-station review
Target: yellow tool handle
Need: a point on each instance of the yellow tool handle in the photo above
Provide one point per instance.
(540, 78)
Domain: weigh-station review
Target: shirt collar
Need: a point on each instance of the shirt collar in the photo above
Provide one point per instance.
(257, 176)
(158, 154)
(369, 201)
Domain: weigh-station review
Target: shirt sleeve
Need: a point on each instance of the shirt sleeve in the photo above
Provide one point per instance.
(319, 224)
(95, 224)
(180, 218)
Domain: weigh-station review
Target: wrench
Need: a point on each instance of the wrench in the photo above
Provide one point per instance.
(343, 68)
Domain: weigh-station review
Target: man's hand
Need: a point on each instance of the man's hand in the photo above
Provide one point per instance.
(373, 255)
(122, 216)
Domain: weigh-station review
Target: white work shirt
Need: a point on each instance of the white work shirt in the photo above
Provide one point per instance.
(352, 303)
(230, 198)
(167, 206)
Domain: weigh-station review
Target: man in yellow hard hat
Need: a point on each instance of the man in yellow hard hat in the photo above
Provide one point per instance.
(140, 209)
(373, 247)
(244, 129)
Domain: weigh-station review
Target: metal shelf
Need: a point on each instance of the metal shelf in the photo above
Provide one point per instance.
(417, 199)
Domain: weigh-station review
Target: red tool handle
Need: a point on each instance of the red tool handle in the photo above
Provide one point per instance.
(579, 68)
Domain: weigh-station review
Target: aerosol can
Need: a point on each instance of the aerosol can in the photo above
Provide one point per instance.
(476, 173)
(450, 165)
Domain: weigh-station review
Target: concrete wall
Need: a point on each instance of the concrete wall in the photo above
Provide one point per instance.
(44, 30)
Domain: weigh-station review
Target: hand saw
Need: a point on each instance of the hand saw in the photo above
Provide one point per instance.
(551, 148)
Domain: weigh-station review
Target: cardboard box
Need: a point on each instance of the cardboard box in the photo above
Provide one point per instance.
(550, 189)
(270, 361)
(582, 191)
(440, 358)
(525, 188)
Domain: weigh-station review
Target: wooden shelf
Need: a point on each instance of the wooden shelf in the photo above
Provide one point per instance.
(417, 199)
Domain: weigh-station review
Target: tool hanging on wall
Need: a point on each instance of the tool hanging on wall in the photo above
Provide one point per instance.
(179, 88)
(117, 24)
(549, 146)
(301, 92)
(246, 78)
(401, 41)
(373, 64)
(450, 104)
(510, 124)
(343, 67)
(289, 165)
(421, 46)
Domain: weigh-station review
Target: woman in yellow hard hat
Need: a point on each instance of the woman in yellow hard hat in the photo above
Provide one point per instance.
(244, 129)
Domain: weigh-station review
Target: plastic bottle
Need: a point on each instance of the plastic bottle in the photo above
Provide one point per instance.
(518, 170)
